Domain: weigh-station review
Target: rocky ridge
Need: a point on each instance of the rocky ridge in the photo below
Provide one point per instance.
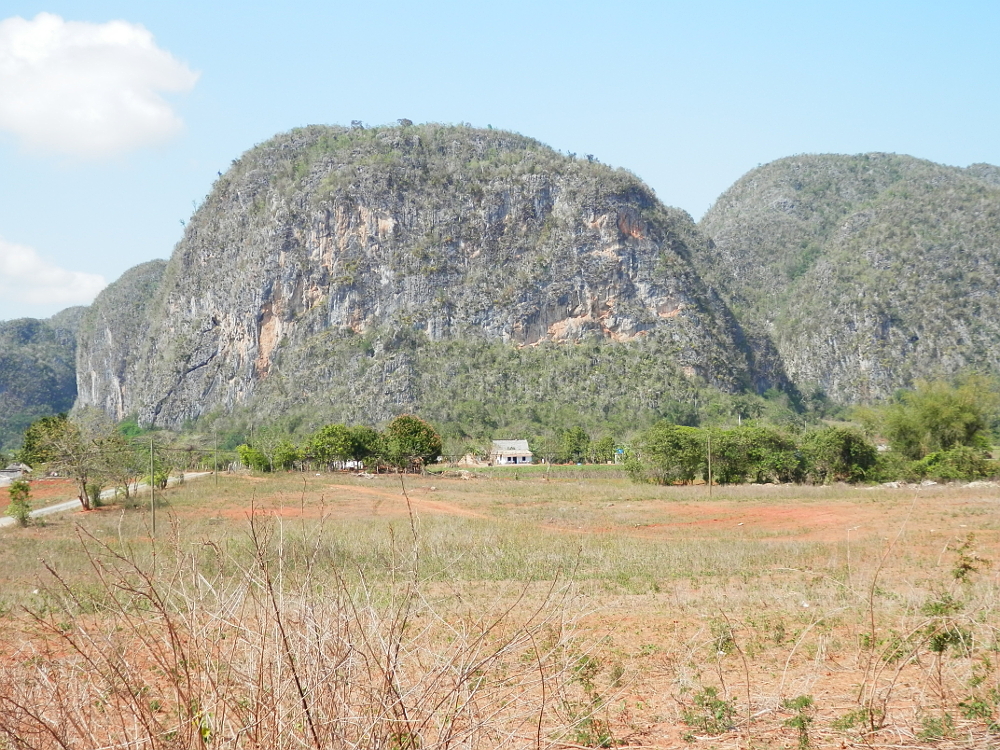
(329, 266)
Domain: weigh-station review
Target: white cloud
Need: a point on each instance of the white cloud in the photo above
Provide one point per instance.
(86, 89)
(27, 279)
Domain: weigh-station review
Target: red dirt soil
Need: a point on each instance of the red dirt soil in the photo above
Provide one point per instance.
(45, 491)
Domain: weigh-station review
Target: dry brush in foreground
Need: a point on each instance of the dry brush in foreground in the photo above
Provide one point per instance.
(163, 655)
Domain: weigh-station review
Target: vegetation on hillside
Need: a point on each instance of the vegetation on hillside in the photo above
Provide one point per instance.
(475, 390)
(869, 272)
(37, 371)
(325, 257)
(115, 322)
(430, 261)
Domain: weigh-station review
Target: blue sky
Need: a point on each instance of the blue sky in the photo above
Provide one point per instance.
(688, 96)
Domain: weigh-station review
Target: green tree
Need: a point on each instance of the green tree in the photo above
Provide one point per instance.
(575, 445)
(162, 463)
(268, 441)
(366, 443)
(20, 501)
(124, 462)
(603, 451)
(286, 455)
(37, 447)
(672, 453)
(75, 448)
(754, 454)
(253, 458)
(938, 416)
(409, 439)
(838, 454)
(545, 447)
(334, 442)
(745, 406)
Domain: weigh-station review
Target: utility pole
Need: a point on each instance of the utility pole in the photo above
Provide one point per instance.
(710, 465)
(152, 486)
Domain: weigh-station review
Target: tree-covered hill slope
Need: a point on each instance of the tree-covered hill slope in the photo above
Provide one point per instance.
(866, 271)
(37, 371)
(372, 271)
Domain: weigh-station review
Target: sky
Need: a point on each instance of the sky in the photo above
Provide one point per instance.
(116, 117)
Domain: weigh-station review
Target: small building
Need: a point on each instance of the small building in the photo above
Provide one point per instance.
(510, 453)
(14, 471)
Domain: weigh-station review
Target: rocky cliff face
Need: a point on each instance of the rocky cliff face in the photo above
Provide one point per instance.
(322, 247)
(112, 332)
(866, 271)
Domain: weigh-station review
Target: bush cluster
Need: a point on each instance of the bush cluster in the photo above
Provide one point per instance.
(407, 442)
(939, 430)
(672, 454)
(668, 454)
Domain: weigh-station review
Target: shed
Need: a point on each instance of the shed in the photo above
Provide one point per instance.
(15, 471)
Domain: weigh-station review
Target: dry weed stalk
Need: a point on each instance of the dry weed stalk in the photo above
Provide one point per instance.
(183, 659)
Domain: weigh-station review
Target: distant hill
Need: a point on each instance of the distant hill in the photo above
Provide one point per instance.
(866, 271)
(358, 273)
(37, 371)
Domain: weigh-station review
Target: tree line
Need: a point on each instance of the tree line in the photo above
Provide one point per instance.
(406, 443)
(939, 431)
(98, 454)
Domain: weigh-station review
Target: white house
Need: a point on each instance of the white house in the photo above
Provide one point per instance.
(510, 453)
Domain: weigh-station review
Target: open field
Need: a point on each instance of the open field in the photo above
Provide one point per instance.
(529, 609)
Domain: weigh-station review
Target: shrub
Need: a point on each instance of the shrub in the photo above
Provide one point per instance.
(253, 458)
(710, 714)
(960, 462)
(673, 453)
(258, 658)
(754, 454)
(939, 416)
(837, 454)
(20, 504)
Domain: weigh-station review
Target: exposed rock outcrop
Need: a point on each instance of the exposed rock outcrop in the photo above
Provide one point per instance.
(323, 246)
(112, 331)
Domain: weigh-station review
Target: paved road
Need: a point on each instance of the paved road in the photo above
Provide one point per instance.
(74, 504)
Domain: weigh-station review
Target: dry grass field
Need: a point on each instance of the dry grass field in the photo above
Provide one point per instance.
(571, 609)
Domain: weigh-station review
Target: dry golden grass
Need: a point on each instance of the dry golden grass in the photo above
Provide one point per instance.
(628, 604)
